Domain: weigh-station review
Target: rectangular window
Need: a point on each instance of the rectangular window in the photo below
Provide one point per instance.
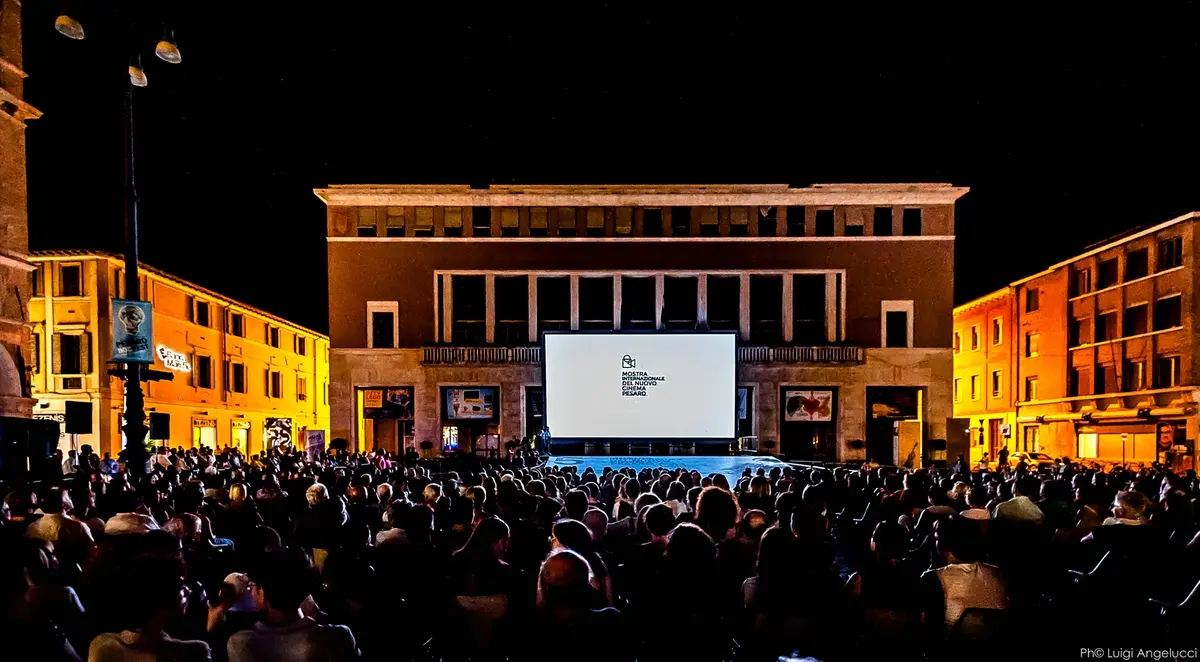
(72, 354)
(824, 223)
(481, 221)
(301, 345)
(510, 222)
(975, 338)
(767, 222)
(1031, 389)
(1031, 299)
(1170, 253)
(1168, 312)
(1134, 375)
(624, 222)
(1031, 344)
(1081, 282)
(997, 330)
(469, 294)
(367, 227)
(724, 302)
(70, 280)
(203, 313)
(1087, 446)
(395, 221)
(1166, 371)
(1106, 326)
(237, 377)
(997, 383)
(897, 324)
(679, 302)
(709, 221)
(36, 356)
(273, 336)
(795, 221)
(808, 309)
(301, 388)
(452, 221)
(237, 325)
(35, 282)
(203, 371)
(1137, 264)
(638, 304)
(1109, 274)
(911, 222)
(1030, 439)
(739, 222)
(1079, 332)
(566, 222)
(766, 310)
(1136, 319)
(958, 389)
(974, 387)
(383, 324)
(554, 304)
(1079, 382)
(539, 222)
(883, 222)
(681, 221)
(652, 223)
(854, 228)
(957, 342)
(276, 381)
(512, 310)
(596, 304)
(1106, 379)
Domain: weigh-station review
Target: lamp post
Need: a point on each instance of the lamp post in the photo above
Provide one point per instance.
(135, 454)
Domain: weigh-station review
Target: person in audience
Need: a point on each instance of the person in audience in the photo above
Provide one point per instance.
(964, 582)
(1020, 507)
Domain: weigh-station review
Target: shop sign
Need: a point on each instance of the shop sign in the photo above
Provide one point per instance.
(173, 360)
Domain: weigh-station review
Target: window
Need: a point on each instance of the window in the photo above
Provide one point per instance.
(539, 222)
(1031, 389)
(1137, 264)
(566, 222)
(1106, 379)
(554, 304)
(1136, 319)
(367, 226)
(510, 222)
(237, 377)
(452, 221)
(652, 224)
(273, 336)
(1079, 332)
(395, 221)
(1166, 371)
(974, 387)
(958, 389)
(36, 355)
(72, 353)
(1134, 375)
(624, 222)
(301, 345)
(118, 283)
(724, 303)
(681, 221)
(1031, 344)
(1081, 282)
(739, 222)
(997, 383)
(679, 302)
(1108, 273)
(35, 282)
(1106, 326)
(883, 222)
(910, 222)
(274, 384)
(1088, 445)
(1031, 299)
(795, 221)
(1168, 312)
(709, 221)
(766, 309)
(596, 304)
(1170, 253)
(202, 312)
(767, 223)
(854, 228)
(975, 338)
(383, 325)
(512, 310)
(957, 342)
(997, 330)
(1079, 382)
(70, 280)
(203, 371)
(825, 223)
(237, 324)
(423, 222)
(301, 388)
(481, 221)
(897, 328)
(1030, 439)
(469, 294)
(638, 304)
(72, 383)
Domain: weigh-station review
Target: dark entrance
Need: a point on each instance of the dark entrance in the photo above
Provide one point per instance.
(534, 418)
(808, 422)
(886, 405)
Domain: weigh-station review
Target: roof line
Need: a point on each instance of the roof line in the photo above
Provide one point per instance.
(164, 274)
(998, 294)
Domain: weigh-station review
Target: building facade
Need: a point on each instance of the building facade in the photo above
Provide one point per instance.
(983, 372)
(241, 377)
(1102, 349)
(841, 296)
(15, 266)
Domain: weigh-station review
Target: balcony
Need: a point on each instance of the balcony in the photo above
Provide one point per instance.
(457, 355)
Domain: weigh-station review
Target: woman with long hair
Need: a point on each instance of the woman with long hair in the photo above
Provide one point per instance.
(575, 536)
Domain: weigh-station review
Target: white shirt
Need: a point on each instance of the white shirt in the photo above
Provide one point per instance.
(1020, 508)
(118, 647)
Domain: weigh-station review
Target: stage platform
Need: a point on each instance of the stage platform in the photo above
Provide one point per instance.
(730, 465)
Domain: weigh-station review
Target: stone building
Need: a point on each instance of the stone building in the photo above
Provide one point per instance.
(14, 222)
(984, 394)
(841, 296)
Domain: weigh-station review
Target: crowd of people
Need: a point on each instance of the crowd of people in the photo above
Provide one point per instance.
(282, 556)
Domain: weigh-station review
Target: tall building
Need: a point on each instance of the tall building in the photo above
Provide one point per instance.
(840, 295)
(14, 222)
(1101, 350)
(241, 376)
(983, 390)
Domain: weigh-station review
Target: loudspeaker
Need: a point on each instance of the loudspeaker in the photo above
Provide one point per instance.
(79, 417)
(26, 449)
(160, 426)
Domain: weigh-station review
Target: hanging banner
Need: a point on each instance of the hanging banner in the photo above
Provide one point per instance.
(132, 331)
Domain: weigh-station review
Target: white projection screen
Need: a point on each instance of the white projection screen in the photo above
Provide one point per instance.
(640, 385)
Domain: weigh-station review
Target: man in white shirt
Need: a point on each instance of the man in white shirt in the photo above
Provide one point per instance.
(71, 463)
(1021, 507)
(71, 538)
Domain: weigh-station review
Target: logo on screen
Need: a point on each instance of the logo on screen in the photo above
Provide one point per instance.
(627, 362)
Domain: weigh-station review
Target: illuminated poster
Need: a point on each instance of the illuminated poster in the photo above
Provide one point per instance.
(468, 403)
(808, 406)
(132, 331)
(395, 402)
(277, 432)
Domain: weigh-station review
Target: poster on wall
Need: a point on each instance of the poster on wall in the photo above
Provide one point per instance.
(469, 403)
(808, 406)
(277, 432)
(132, 331)
(395, 402)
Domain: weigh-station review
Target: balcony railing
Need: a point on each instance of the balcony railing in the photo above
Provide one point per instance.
(455, 355)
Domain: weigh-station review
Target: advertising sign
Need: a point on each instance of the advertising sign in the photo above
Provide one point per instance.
(173, 360)
(470, 403)
(277, 432)
(315, 445)
(808, 406)
(132, 331)
(395, 402)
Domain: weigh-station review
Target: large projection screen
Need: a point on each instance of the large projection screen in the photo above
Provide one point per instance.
(640, 386)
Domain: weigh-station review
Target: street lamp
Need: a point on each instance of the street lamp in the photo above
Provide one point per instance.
(135, 429)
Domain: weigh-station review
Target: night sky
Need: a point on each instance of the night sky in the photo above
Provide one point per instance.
(1067, 128)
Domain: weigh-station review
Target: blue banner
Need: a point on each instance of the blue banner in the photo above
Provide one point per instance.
(133, 332)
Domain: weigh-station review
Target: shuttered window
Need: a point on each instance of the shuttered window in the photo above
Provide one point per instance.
(72, 353)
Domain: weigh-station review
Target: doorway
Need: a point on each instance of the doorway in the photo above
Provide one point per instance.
(888, 404)
(993, 440)
(535, 420)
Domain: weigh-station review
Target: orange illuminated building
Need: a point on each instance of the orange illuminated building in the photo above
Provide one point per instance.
(983, 372)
